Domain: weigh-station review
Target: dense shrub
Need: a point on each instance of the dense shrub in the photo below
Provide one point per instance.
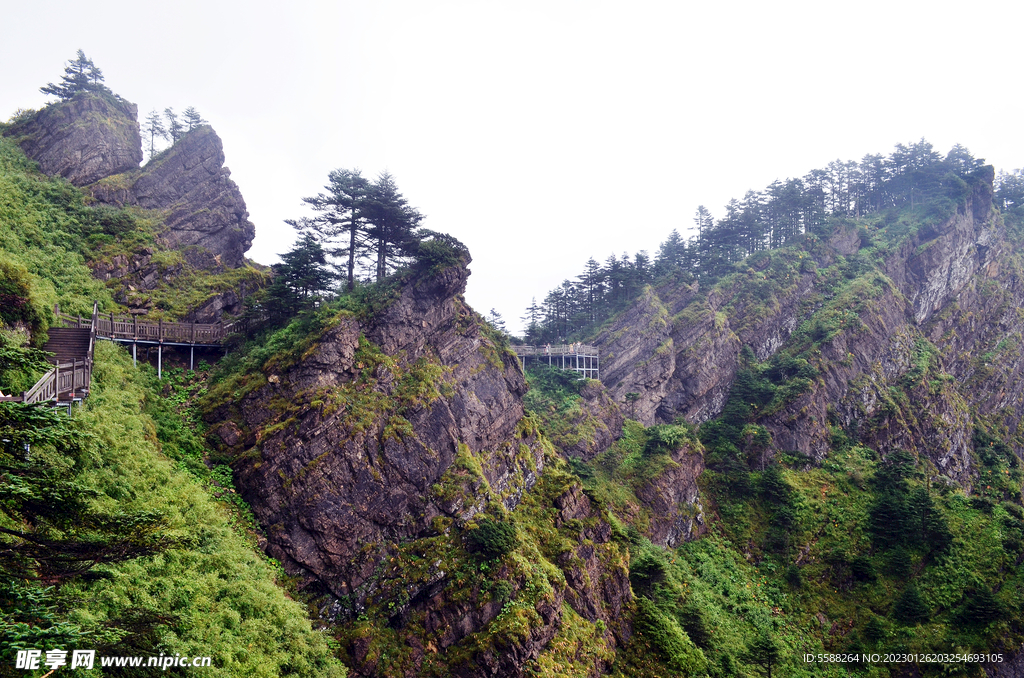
(492, 538)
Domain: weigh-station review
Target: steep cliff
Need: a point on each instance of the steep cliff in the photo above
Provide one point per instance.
(858, 314)
(92, 140)
(373, 459)
(189, 183)
(84, 139)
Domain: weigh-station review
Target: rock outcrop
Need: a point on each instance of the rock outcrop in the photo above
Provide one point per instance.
(93, 141)
(204, 206)
(673, 499)
(450, 629)
(350, 447)
(84, 139)
(680, 348)
(372, 456)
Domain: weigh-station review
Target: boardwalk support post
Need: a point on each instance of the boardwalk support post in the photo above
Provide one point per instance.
(160, 350)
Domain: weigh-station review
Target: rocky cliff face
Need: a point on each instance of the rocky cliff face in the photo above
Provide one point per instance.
(354, 442)
(941, 284)
(93, 141)
(370, 460)
(85, 139)
(673, 500)
(203, 205)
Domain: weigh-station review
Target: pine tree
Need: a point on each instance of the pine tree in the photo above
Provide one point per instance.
(532, 320)
(910, 608)
(981, 608)
(591, 285)
(671, 255)
(764, 653)
(174, 127)
(340, 225)
(80, 75)
(391, 223)
(495, 320)
(193, 119)
(302, 278)
(153, 128)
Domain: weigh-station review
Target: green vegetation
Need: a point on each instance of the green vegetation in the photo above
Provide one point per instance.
(202, 591)
(913, 185)
(110, 535)
(515, 563)
(121, 529)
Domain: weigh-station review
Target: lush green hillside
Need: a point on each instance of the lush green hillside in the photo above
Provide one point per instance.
(138, 557)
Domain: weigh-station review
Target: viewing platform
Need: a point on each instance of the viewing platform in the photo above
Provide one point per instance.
(581, 358)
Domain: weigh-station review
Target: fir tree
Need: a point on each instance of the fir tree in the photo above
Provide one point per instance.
(302, 278)
(910, 608)
(174, 127)
(764, 653)
(340, 225)
(391, 223)
(193, 119)
(153, 128)
(80, 75)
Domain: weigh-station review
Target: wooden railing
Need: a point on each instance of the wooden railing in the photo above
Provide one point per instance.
(68, 379)
(131, 329)
(64, 379)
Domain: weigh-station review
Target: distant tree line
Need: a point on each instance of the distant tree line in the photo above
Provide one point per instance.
(911, 175)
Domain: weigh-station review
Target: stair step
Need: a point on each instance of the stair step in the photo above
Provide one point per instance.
(67, 343)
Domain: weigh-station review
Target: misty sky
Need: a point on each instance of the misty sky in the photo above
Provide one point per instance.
(541, 133)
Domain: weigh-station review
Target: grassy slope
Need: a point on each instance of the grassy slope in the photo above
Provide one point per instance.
(217, 596)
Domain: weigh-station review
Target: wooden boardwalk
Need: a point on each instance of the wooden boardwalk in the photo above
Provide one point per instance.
(582, 358)
(69, 381)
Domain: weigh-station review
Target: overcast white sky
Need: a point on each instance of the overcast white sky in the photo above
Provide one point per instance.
(541, 133)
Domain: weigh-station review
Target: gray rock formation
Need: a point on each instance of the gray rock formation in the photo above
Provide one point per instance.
(679, 348)
(359, 457)
(93, 140)
(204, 206)
(84, 139)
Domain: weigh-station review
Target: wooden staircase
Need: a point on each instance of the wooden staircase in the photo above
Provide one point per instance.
(67, 343)
(71, 375)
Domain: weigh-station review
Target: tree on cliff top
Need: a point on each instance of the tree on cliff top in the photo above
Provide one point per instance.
(193, 119)
(80, 75)
(391, 224)
(340, 223)
(153, 128)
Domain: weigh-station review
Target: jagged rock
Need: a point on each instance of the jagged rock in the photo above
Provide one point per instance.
(673, 499)
(637, 356)
(204, 206)
(600, 418)
(587, 427)
(93, 140)
(449, 618)
(84, 139)
(1012, 665)
(346, 478)
(680, 349)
